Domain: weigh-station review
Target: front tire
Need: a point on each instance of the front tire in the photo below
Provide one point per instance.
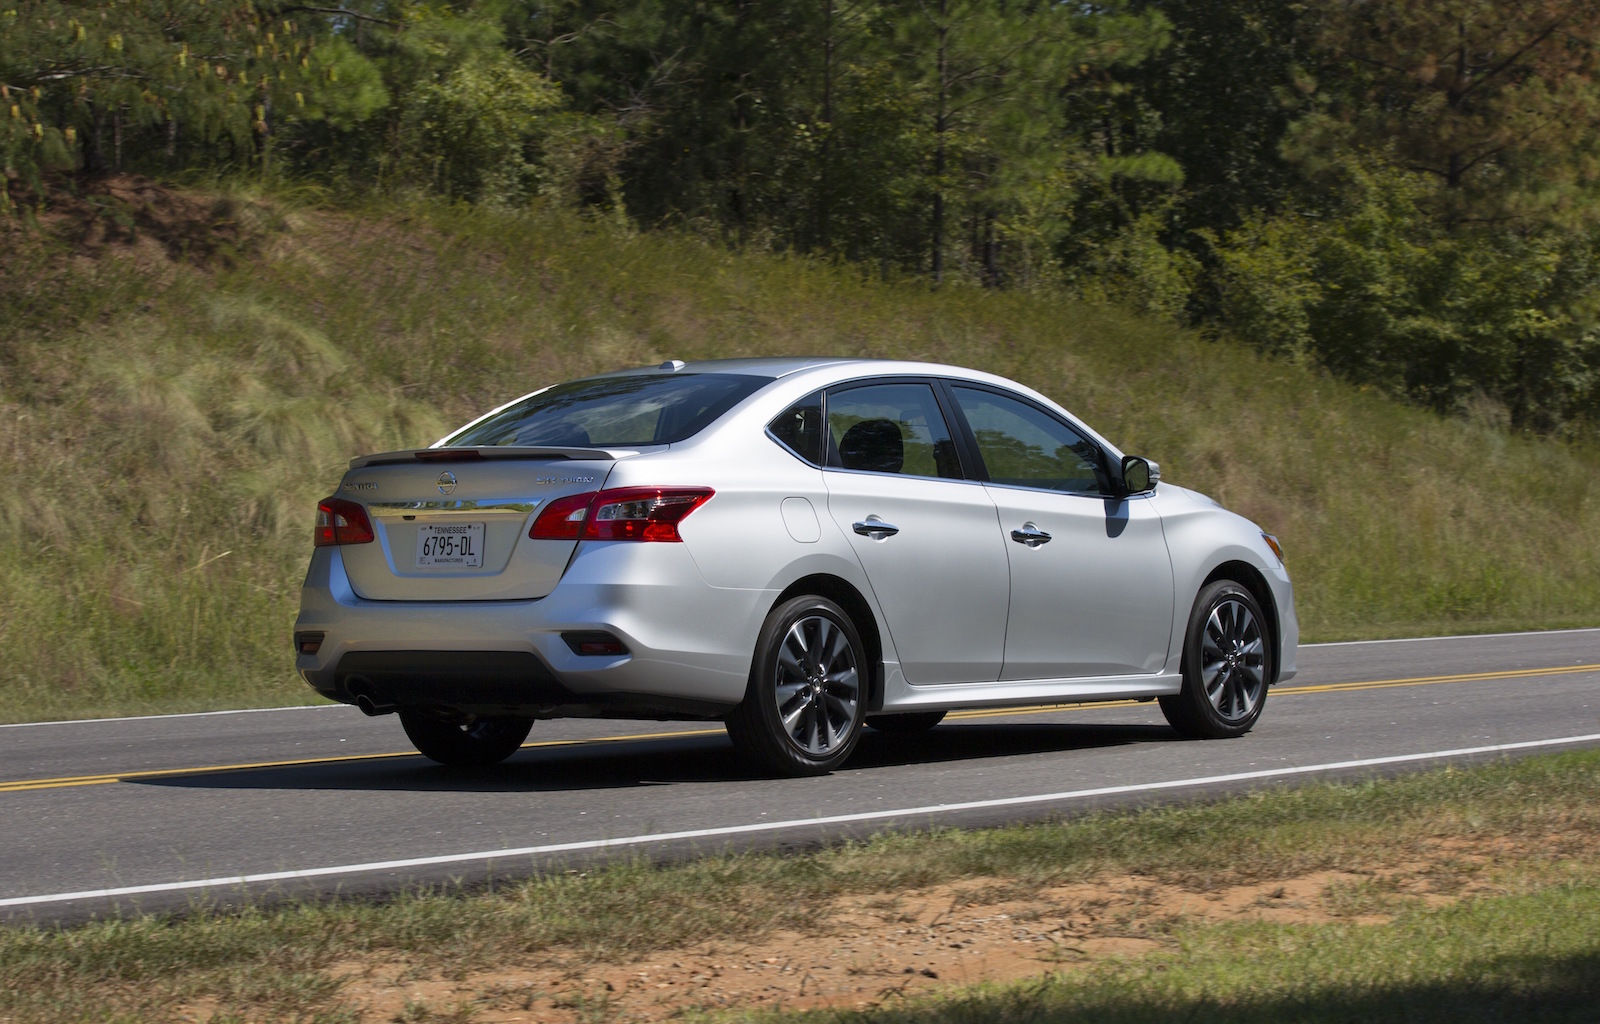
(803, 710)
(478, 742)
(1227, 662)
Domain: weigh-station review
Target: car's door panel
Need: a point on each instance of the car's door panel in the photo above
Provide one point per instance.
(1096, 599)
(929, 543)
(940, 579)
(1091, 580)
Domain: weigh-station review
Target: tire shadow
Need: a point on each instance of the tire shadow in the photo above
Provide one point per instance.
(661, 761)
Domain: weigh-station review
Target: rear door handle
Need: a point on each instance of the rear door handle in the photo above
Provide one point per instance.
(875, 528)
(1030, 535)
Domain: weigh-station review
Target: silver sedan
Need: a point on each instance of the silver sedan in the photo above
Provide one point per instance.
(796, 547)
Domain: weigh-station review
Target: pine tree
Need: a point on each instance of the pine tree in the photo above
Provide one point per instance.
(990, 78)
(96, 83)
(1496, 102)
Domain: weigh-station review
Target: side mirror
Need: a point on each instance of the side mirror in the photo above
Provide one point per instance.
(1139, 475)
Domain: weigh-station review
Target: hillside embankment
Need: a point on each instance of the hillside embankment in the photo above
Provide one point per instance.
(183, 374)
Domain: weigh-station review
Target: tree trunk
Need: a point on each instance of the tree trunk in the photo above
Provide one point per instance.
(94, 151)
(264, 132)
(991, 252)
(940, 126)
(824, 177)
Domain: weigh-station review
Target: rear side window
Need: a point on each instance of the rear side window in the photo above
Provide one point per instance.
(613, 412)
(890, 428)
(799, 428)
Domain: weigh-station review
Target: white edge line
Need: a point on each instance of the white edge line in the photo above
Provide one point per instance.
(774, 826)
(1458, 636)
(316, 707)
(185, 714)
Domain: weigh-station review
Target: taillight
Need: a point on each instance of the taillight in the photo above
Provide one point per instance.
(341, 522)
(563, 518)
(623, 513)
(642, 513)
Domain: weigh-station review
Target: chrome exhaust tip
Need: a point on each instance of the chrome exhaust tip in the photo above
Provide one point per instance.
(372, 708)
(361, 689)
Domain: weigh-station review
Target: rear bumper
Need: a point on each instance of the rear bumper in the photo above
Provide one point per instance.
(688, 644)
(492, 683)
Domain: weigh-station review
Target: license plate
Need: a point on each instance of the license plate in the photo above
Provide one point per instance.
(458, 545)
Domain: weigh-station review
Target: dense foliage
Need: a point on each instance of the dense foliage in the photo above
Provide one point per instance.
(1403, 191)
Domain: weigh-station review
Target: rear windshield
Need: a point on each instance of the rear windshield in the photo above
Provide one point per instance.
(613, 412)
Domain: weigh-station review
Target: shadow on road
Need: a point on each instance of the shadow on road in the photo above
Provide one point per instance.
(659, 761)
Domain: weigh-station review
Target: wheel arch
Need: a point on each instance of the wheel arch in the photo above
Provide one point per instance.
(842, 593)
(1250, 578)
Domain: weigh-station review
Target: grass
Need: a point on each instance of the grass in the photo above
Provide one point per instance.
(171, 423)
(1506, 938)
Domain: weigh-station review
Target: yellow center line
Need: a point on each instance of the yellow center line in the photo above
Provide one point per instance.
(96, 780)
(1465, 677)
(22, 785)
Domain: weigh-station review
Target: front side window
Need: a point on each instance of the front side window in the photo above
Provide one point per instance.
(890, 428)
(1024, 446)
(612, 412)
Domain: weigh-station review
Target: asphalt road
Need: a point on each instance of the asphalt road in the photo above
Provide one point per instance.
(159, 813)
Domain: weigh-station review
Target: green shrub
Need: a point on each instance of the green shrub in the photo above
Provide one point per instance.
(1383, 295)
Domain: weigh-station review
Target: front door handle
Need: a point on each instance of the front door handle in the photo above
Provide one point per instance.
(1030, 535)
(875, 528)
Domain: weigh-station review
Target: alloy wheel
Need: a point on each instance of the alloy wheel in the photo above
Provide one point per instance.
(1233, 660)
(818, 685)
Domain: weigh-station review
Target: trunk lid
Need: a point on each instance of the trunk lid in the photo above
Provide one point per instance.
(451, 524)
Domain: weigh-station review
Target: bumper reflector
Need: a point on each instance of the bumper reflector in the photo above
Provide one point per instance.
(308, 643)
(595, 644)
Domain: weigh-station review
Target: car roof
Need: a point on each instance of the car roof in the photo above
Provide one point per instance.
(824, 371)
(755, 366)
(785, 366)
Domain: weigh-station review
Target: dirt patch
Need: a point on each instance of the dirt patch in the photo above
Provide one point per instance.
(874, 950)
(131, 217)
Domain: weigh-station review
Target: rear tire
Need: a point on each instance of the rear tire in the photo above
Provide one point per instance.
(475, 743)
(803, 710)
(1227, 662)
(907, 722)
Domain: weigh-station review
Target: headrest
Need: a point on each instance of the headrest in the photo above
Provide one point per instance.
(873, 445)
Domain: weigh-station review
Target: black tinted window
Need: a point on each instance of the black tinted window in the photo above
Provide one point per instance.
(1024, 446)
(891, 428)
(799, 427)
(613, 412)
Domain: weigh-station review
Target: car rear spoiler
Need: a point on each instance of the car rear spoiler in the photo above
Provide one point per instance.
(469, 454)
